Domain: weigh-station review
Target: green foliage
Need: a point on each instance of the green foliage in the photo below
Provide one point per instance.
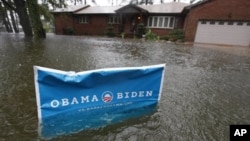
(34, 14)
(166, 38)
(44, 11)
(123, 35)
(68, 31)
(110, 31)
(141, 30)
(150, 35)
(177, 35)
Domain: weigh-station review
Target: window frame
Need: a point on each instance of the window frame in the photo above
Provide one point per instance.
(114, 19)
(84, 19)
(165, 22)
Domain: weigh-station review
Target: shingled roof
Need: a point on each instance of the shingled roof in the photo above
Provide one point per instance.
(171, 7)
(99, 10)
(70, 8)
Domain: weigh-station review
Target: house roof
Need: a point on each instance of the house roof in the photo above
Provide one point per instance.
(70, 8)
(196, 4)
(171, 7)
(99, 10)
(131, 8)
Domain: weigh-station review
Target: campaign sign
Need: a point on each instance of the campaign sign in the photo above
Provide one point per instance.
(69, 102)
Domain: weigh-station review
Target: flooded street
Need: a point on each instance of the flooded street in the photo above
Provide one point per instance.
(206, 89)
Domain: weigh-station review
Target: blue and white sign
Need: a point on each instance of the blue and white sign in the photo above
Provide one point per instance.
(69, 102)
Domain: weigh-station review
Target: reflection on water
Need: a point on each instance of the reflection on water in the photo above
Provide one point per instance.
(205, 89)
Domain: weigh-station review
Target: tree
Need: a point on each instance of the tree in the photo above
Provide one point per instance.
(35, 19)
(137, 2)
(5, 18)
(21, 10)
(29, 22)
(146, 2)
(13, 20)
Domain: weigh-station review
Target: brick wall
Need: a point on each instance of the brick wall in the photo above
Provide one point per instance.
(216, 10)
(96, 25)
(63, 20)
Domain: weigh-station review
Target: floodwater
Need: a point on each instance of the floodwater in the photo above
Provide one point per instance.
(206, 89)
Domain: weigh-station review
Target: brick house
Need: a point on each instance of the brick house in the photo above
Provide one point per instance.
(208, 21)
(218, 22)
(93, 20)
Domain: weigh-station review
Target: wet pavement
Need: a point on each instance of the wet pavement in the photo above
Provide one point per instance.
(206, 88)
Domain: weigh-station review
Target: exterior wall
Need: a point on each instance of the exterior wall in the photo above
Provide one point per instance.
(160, 31)
(63, 20)
(216, 10)
(96, 26)
(98, 23)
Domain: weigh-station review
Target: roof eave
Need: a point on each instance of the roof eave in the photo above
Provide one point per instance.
(73, 11)
(188, 8)
(134, 6)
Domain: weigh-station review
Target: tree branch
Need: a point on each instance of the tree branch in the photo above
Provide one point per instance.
(7, 4)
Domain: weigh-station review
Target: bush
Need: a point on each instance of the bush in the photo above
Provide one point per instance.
(110, 31)
(166, 38)
(150, 35)
(141, 30)
(177, 35)
(68, 31)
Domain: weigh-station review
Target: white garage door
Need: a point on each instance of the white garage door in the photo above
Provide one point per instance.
(223, 32)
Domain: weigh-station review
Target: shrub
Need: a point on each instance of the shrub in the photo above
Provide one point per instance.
(177, 34)
(68, 31)
(150, 35)
(122, 35)
(141, 30)
(166, 38)
(110, 31)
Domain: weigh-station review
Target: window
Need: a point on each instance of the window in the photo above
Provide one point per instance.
(166, 22)
(150, 21)
(212, 22)
(83, 19)
(161, 22)
(221, 23)
(114, 19)
(203, 22)
(155, 21)
(240, 23)
(171, 24)
(230, 23)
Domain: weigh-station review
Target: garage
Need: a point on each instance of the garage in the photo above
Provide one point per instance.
(223, 32)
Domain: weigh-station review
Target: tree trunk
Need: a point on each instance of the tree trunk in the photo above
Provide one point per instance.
(13, 21)
(6, 20)
(36, 22)
(23, 17)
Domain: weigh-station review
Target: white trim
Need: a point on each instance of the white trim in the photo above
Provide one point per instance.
(97, 70)
(165, 21)
(83, 19)
(37, 91)
(38, 100)
(162, 81)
